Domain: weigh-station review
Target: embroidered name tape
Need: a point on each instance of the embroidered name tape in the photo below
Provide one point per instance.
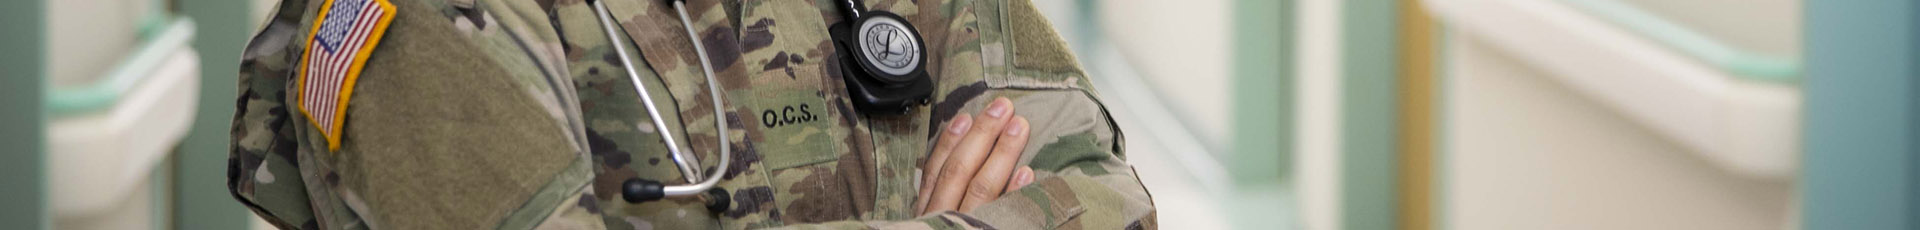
(336, 49)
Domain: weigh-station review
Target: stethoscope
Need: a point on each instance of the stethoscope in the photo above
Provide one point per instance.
(885, 75)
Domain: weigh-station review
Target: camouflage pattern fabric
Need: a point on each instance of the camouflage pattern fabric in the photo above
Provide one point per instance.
(516, 114)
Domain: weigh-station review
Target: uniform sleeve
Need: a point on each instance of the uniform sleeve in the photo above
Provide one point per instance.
(262, 170)
(942, 221)
(1082, 180)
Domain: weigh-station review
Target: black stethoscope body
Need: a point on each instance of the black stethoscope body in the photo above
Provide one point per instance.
(882, 59)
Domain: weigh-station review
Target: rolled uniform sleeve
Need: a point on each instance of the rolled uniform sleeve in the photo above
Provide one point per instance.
(1082, 180)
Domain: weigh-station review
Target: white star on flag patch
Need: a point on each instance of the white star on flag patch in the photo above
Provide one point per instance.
(338, 45)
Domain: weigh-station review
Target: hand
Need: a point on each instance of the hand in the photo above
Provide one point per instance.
(974, 161)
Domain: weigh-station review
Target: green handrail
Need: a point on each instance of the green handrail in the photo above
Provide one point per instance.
(155, 19)
(1743, 63)
(103, 93)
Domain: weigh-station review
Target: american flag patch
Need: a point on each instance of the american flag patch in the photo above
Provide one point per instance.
(336, 49)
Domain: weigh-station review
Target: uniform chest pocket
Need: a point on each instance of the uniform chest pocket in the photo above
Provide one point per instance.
(789, 95)
(790, 127)
(805, 139)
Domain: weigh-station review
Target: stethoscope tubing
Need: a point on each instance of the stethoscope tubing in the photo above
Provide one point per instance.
(688, 164)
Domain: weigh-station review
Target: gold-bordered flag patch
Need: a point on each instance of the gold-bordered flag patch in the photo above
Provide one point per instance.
(338, 45)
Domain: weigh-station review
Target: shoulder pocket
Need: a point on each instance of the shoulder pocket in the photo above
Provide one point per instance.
(1020, 49)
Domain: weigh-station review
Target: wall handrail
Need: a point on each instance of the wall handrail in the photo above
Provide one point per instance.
(1741, 124)
(1743, 63)
(103, 93)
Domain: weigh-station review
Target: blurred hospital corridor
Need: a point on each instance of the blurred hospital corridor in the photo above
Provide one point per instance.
(1236, 114)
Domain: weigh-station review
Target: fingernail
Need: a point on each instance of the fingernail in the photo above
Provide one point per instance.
(997, 110)
(960, 126)
(1024, 176)
(1017, 129)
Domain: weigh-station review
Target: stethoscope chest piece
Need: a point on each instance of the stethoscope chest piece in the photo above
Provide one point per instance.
(883, 60)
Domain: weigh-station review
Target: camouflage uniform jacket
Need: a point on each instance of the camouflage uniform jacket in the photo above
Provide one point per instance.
(514, 114)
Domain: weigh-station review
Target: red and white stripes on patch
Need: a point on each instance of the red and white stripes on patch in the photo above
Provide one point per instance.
(337, 46)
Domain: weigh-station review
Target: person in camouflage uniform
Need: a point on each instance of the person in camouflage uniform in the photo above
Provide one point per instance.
(504, 114)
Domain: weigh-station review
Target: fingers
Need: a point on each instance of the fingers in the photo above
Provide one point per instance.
(956, 129)
(1020, 179)
(991, 180)
(967, 156)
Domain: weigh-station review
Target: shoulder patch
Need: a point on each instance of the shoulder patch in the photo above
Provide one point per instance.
(338, 45)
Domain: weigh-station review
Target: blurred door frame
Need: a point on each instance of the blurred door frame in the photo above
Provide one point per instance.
(1861, 167)
(23, 142)
(1261, 154)
(201, 199)
(1370, 145)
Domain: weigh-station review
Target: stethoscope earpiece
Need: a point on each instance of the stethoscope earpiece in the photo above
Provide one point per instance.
(638, 190)
(718, 201)
(641, 190)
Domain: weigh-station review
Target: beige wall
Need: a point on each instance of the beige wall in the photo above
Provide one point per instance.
(87, 37)
(1182, 49)
(1525, 152)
